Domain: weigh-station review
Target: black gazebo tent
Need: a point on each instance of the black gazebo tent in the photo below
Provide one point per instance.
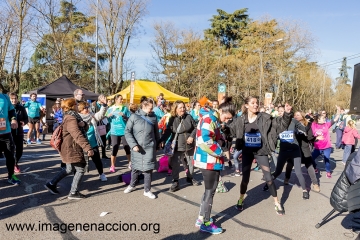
(63, 88)
(60, 88)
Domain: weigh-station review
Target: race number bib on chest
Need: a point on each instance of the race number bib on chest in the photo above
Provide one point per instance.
(2, 124)
(253, 140)
(287, 136)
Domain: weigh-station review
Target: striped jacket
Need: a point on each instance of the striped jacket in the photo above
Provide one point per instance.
(208, 152)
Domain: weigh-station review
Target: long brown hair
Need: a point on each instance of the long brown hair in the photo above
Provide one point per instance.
(175, 106)
(68, 104)
(246, 101)
(303, 120)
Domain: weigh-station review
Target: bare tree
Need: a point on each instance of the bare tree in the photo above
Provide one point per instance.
(7, 31)
(119, 24)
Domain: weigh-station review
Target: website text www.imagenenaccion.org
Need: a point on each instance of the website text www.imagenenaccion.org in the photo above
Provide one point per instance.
(70, 227)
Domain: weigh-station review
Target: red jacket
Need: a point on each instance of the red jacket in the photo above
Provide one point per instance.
(349, 136)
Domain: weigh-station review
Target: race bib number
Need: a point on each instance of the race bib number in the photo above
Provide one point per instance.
(287, 136)
(2, 124)
(253, 140)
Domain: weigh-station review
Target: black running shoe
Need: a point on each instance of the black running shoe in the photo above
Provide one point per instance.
(265, 188)
(240, 205)
(192, 181)
(51, 188)
(305, 195)
(76, 196)
(175, 187)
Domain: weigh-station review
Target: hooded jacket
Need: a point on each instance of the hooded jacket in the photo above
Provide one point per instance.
(142, 131)
(349, 136)
(208, 152)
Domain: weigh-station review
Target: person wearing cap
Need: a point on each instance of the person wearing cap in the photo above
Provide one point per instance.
(18, 134)
(34, 108)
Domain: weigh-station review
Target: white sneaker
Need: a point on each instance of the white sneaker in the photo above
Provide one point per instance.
(149, 195)
(102, 177)
(129, 189)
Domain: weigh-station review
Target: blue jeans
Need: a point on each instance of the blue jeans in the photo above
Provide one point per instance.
(326, 153)
(339, 134)
(347, 152)
(235, 157)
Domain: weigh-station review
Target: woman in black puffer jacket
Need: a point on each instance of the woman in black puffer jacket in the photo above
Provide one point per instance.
(184, 145)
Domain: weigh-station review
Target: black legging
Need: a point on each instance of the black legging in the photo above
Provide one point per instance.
(211, 180)
(116, 140)
(103, 148)
(19, 147)
(97, 160)
(263, 161)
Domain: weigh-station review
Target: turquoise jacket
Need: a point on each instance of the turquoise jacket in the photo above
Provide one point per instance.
(117, 122)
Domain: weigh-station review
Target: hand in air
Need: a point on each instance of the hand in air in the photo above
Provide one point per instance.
(287, 108)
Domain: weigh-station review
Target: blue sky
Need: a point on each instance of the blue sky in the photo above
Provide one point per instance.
(334, 24)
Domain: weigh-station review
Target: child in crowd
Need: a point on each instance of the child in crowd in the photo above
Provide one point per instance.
(348, 139)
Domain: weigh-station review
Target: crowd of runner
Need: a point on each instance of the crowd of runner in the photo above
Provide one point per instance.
(203, 137)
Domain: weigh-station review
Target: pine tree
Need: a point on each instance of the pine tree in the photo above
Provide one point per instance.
(344, 77)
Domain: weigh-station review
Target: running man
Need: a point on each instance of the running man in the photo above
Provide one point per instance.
(7, 122)
(34, 107)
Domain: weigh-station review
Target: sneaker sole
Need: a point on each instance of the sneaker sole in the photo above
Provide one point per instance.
(15, 184)
(174, 190)
(51, 191)
(75, 198)
(150, 197)
(239, 208)
(213, 233)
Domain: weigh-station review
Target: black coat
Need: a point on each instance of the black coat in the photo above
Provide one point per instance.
(187, 129)
(306, 141)
(21, 116)
(269, 128)
(338, 197)
(345, 195)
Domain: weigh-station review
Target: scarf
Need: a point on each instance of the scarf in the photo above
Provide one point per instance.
(78, 119)
(86, 118)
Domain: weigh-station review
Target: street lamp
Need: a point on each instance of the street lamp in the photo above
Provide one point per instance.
(262, 70)
(96, 49)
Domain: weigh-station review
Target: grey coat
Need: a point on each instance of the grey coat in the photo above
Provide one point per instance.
(139, 132)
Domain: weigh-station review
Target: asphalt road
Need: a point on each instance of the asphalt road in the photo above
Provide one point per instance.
(171, 215)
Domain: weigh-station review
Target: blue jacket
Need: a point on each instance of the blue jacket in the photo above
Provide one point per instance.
(117, 122)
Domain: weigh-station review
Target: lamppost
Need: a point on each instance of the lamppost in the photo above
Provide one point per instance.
(96, 49)
(262, 70)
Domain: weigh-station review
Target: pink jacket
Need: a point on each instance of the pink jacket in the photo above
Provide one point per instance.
(349, 136)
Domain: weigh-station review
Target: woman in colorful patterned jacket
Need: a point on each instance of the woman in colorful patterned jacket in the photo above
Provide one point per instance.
(208, 158)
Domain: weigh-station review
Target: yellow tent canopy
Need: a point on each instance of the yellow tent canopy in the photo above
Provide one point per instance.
(149, 89)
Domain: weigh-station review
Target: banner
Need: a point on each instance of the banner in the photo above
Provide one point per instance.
(132, 87)
(268, 99)
(221, 92)
(41, 98)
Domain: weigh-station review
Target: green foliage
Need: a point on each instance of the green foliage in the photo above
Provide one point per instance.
(228, 28)
(65, 49)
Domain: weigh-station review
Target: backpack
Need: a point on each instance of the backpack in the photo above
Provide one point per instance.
(57, 138)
